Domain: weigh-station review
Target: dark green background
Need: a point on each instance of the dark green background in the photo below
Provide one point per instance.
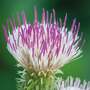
(74, 8)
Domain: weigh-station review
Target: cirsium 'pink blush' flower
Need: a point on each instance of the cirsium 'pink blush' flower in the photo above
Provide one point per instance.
(45, 45)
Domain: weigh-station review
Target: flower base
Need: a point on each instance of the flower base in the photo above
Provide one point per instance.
(35, 81)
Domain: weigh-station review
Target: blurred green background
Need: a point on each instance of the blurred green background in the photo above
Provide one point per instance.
(74, 8)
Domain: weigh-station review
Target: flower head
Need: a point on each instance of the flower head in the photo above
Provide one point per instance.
(41, 49)
(45, 45)
(72, 84)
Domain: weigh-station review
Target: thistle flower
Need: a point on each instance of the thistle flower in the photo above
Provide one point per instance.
(43, 47)
(72, 84)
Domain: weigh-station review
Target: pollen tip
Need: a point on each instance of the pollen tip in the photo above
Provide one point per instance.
(43, 16)
(65, 20)
(35, 14)
(18, 18)
(50, 18)
(54, 15)
(23, 17)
